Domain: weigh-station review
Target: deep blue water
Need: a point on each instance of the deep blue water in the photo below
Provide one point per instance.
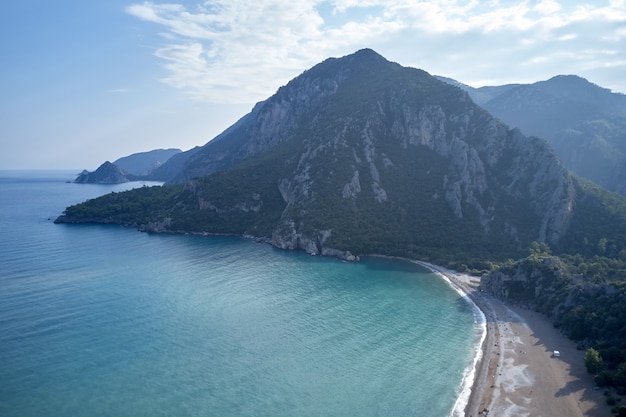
(107, 321)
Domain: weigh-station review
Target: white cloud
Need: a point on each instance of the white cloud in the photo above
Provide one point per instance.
(547, 7)
(118, 90)
(243, 50)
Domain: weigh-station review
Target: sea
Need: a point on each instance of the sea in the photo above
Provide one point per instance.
(101, 320)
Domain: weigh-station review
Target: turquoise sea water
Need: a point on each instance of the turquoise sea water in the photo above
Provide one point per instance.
(106, 321)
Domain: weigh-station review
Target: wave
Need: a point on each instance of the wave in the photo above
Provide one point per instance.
(469, 375)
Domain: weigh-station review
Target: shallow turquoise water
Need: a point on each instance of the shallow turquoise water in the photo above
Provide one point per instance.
(102, 320)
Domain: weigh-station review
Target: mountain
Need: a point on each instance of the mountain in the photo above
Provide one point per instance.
(584, 123)
(480, 95)
(149, 165)
(359, 155)
(562, 102)
(144, 163)
(169, 169)
(107, 173)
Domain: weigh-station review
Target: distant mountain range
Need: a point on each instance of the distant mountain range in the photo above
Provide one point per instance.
(145, 163)
(359, 155)
(138, 166)
(584, 123)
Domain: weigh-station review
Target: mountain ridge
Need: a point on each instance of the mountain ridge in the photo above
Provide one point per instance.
(360, 155)
(583, 122)
(144, 163)
(135, 167)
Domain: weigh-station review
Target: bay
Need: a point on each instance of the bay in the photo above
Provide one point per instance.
(102, 320)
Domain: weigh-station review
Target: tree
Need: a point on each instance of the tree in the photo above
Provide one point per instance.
(539, 248)
(593, 361)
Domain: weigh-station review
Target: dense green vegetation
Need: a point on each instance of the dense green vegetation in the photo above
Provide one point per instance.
(129, 208)
(585, 124)
(584, 297)
(242, 202)
(595, 315)
(604, 232)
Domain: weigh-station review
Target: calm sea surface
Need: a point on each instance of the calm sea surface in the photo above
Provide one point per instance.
(107, 321)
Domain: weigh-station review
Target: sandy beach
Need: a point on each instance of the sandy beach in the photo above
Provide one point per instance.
(517, 374)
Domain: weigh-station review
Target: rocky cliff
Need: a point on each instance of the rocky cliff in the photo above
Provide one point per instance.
(583, 122)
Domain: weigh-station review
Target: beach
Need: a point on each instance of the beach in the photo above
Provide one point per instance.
(516, 374)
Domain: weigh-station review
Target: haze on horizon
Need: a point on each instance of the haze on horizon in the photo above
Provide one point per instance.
(87, 82)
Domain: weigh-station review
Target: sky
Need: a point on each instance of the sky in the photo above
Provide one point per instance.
(83, 82)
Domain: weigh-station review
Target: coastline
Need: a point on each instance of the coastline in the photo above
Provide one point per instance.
(514, 373)
(504, 378)
(472, 395)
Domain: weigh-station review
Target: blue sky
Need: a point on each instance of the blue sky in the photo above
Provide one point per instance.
(84, 82)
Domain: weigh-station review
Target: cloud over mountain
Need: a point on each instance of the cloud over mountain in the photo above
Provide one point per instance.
(214, 48)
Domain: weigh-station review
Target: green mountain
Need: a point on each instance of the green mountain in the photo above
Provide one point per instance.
(359, 155)
(584, 123)
(107, 173)
(583, 297)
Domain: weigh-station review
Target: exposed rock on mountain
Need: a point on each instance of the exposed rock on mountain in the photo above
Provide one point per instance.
(584, 123)
(530, 281)
(360, 155)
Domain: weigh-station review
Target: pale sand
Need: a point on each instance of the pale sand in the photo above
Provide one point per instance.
(517, 375)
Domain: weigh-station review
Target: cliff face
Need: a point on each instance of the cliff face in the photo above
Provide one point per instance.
(584, 123)
(360, 155)
(413, 142)
(270, 122)
(538, 282)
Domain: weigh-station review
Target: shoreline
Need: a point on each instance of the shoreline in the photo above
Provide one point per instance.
(514, 373)
(472, 393)
(472, 399)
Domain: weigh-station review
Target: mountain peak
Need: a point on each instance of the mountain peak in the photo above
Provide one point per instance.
(367, 59)
(107, 173)
(573, 87)
(362, 56)
(364, 61)
(337, 85)
(367, 54)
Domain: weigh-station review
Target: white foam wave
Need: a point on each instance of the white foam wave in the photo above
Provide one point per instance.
(470, 372)
(481, 323)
